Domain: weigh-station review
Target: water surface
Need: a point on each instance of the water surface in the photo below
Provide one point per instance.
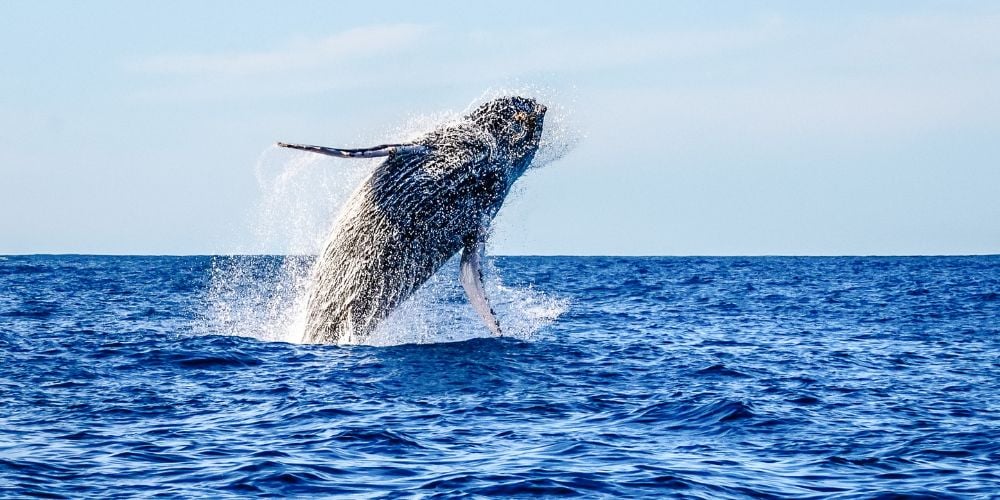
(691, 377)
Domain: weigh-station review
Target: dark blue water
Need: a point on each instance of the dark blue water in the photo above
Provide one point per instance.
(688, 377)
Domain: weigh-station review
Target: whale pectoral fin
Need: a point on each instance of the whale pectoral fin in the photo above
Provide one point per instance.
(471, 275)
(373, 152)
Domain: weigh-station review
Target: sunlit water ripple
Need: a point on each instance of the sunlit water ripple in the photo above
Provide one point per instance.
(694, 377)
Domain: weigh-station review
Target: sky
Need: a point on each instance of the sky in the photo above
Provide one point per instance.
(697, 128)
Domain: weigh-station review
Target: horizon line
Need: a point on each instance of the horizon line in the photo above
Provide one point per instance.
(75, 254)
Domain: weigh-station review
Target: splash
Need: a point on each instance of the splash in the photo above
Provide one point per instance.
(264, 295)
(439, 311)
(261, 294)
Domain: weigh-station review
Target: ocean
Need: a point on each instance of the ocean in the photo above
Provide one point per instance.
(687, 377)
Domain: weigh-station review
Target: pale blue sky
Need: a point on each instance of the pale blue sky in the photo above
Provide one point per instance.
(706, 128)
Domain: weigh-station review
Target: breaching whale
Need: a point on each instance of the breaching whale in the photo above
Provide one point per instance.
(428, 200)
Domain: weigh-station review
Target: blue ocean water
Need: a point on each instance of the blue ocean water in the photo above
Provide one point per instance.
(687, 377)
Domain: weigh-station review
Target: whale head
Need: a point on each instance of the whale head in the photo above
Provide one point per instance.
(516, 124)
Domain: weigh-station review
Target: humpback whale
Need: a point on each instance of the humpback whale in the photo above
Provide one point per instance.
(428, 200)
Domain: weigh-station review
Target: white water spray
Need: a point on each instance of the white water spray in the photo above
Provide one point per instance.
(265, 296)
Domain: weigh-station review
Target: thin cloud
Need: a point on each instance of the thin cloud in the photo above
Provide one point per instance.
(785, 74)
(489, 56)
(304, 54)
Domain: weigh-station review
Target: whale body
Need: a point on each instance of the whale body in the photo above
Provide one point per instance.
(424, 203)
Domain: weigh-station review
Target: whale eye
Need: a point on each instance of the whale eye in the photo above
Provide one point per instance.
(517, 130)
